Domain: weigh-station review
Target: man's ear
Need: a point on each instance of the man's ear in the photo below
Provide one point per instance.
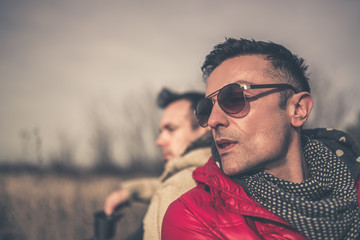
(300, 106)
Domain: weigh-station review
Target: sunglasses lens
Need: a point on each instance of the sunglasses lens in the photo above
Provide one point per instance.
(203, 111)
(231, 99)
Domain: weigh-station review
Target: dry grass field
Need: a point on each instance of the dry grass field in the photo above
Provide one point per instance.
(42, 206)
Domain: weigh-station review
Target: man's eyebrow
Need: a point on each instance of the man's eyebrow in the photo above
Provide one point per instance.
(168, 126)
(243, 82)
(240, 82)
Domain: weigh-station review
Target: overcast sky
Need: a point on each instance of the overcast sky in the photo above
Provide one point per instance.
(60, 60)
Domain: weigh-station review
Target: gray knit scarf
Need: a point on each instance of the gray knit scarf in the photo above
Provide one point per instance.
(322, 207)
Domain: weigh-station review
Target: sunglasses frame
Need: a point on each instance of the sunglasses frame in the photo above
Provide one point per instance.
(243, 87)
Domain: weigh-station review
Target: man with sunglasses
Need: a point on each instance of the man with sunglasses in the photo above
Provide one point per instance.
(184, 146)
(268, 178)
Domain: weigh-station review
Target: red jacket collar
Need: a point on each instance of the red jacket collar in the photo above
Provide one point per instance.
(231, 194)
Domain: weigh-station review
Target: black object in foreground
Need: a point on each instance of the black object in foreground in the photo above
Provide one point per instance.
(105, 225)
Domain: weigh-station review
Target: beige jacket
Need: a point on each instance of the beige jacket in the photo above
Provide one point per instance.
(175, 180)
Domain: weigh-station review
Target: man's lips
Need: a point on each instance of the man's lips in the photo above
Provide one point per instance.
(224, 145)
(166, 156)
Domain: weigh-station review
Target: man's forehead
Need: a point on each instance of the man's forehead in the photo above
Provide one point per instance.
(176, 112)
(247, 69)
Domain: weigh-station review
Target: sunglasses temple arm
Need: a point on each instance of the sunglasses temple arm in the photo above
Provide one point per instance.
(259, 86)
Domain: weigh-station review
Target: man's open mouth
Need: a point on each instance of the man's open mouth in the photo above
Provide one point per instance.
(223, 144)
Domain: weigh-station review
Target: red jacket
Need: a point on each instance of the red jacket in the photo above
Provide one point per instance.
(219, 208)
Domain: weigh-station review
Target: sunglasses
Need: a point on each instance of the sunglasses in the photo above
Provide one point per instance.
(232, 100)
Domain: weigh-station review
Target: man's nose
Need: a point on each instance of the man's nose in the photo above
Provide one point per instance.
(217, 117)
(160, 141)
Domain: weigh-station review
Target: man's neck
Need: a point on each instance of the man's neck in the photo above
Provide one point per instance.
(292, 167)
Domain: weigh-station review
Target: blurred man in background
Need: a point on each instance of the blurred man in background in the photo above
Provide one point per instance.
(184, 146)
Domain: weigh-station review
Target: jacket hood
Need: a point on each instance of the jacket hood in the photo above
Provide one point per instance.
(341, 144)
(194, 158)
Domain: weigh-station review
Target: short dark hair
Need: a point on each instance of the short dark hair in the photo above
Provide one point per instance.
(166, 97)
(286, 65)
